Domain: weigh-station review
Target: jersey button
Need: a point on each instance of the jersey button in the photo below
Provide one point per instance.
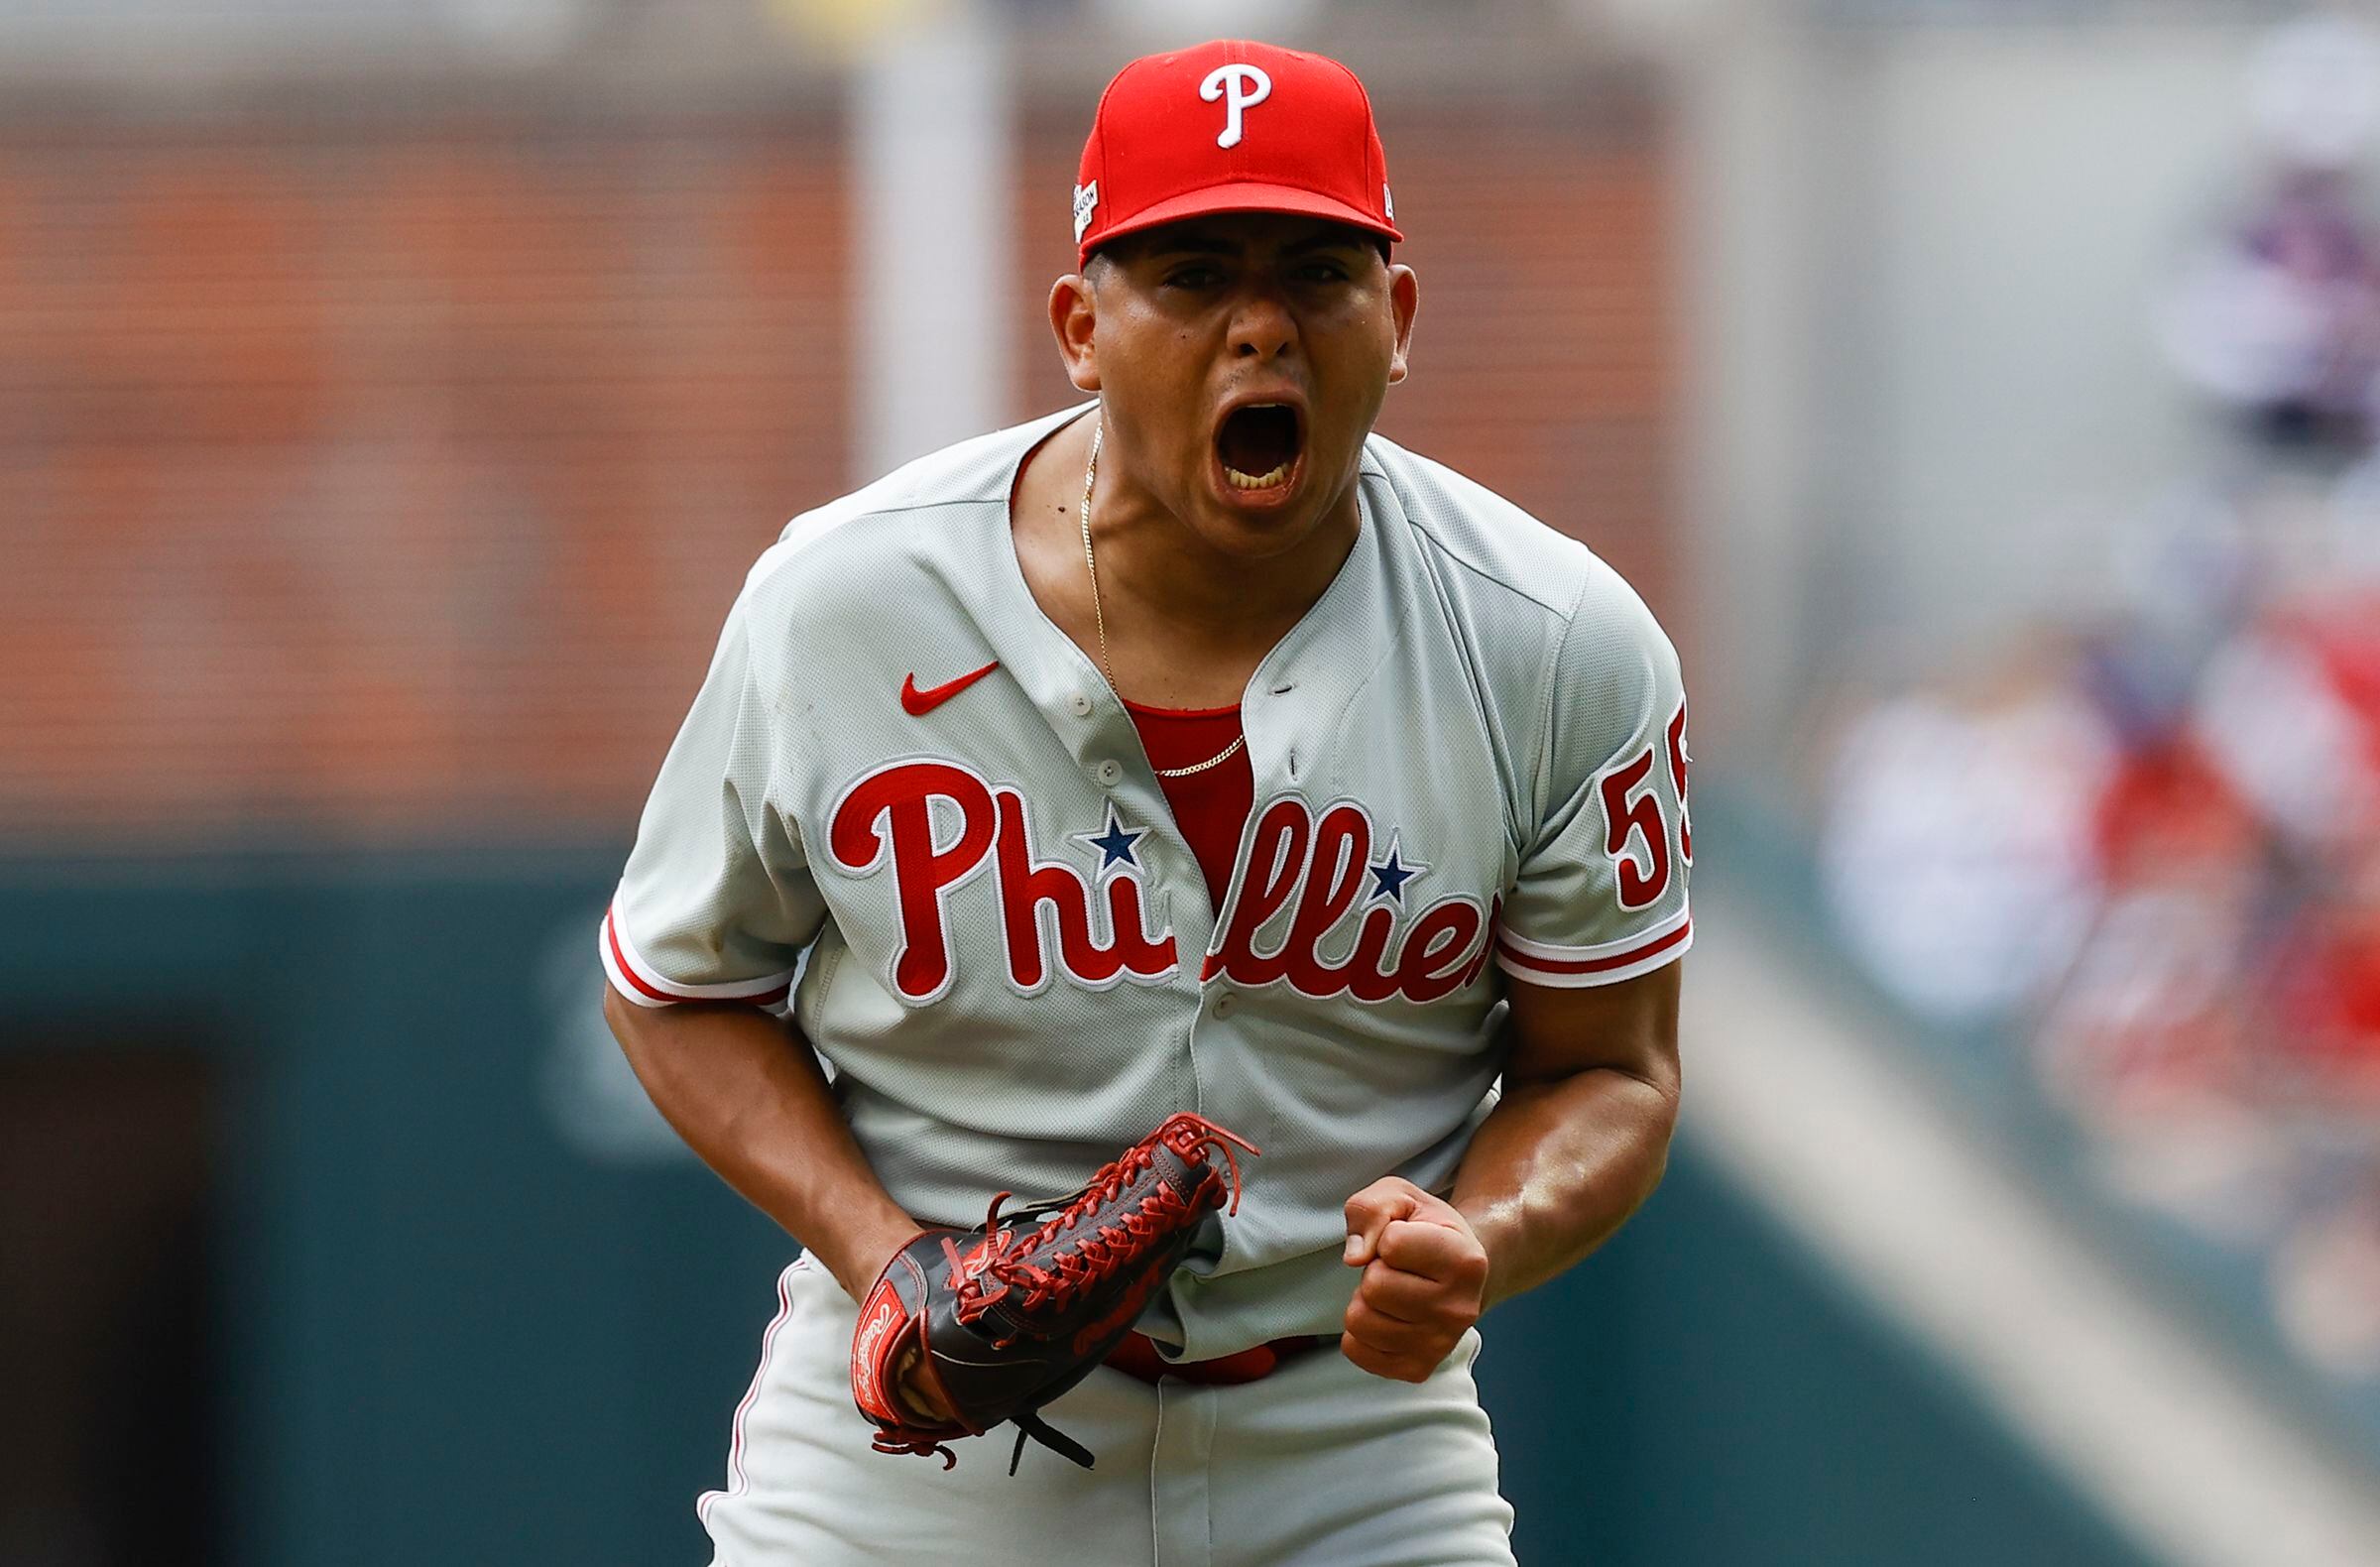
(1226, 1002)
(1109, 772)
(1080, 704)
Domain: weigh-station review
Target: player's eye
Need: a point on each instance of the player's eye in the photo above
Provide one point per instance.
(1196, 276)
(1322, 272)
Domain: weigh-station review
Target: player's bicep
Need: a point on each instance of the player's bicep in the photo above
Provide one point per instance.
(1628, 1027)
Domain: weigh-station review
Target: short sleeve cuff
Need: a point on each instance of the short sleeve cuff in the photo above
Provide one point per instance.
(638, 980)
(1574, 968)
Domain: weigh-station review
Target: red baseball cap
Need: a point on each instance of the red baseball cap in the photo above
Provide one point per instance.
(1231, 127)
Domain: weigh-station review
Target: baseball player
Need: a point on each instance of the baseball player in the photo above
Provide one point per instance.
(1191, 748)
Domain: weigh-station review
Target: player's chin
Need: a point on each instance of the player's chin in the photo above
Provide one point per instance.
(1252, 541)
(1258, 524)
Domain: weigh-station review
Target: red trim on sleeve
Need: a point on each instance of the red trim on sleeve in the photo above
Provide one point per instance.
(627, 972)
(1618, 960)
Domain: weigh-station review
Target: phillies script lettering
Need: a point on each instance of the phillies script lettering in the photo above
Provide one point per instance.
(888, 817)
(1311, 872)
(937, 825)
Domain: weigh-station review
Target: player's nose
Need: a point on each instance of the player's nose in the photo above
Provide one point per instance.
(1261, 326)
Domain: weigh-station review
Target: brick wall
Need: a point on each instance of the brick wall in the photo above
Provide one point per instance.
(392, 481)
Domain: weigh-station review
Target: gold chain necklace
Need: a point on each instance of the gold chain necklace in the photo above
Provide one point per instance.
(1098, 618)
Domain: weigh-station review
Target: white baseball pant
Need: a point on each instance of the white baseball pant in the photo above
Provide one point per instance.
(1319, 1463)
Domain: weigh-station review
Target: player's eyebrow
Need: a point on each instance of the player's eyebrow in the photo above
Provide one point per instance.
(1333, 238)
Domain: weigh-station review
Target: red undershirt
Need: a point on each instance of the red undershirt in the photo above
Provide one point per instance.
(1210, 807)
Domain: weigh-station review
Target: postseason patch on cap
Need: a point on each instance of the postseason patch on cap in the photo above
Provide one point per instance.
(1086, 202)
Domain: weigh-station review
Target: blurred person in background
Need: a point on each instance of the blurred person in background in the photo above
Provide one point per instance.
(2278, 315)
(2164, 900)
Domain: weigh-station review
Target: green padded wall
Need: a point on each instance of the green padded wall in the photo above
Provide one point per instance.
(476, 1310)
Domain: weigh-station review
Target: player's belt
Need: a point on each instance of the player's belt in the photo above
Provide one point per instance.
(1139, 1356)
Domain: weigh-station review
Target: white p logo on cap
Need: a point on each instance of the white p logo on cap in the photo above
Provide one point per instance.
(1241, 88)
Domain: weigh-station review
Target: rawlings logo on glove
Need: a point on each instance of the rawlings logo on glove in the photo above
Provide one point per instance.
(1002, 1322)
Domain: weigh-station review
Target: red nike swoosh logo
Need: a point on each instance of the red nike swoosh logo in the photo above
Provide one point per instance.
(919, 703)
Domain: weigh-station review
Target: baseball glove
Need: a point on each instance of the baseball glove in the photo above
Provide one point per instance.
(1005, 1318)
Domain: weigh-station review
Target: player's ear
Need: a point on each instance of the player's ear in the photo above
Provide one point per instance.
(1404, 303)
(1072, 318)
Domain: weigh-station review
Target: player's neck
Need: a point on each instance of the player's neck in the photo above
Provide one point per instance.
(1186, 624)
(1153, 564)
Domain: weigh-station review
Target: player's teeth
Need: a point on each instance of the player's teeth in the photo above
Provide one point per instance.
(1257, 481)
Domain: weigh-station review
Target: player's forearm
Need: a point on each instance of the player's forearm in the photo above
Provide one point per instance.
(1557, 1167)
(750, 1100)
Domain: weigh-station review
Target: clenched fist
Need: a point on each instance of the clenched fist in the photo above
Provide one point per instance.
(1425, 1273)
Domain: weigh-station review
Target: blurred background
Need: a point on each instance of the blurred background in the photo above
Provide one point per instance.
(1984, 393)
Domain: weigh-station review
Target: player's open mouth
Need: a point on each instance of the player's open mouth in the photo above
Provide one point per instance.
(1259, 449)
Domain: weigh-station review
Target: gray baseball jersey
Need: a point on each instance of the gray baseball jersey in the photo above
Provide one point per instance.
(1470, 761)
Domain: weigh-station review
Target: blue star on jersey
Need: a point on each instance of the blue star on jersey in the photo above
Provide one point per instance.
(1118, 848)
(1388, 878)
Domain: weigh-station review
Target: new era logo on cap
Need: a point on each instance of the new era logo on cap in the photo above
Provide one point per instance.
(1231, 127)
